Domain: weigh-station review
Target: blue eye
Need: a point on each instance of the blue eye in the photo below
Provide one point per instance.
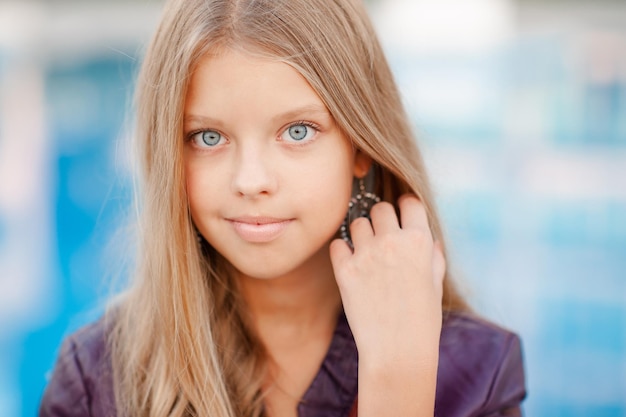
(206, 138)
(211, 138)
(299, 132)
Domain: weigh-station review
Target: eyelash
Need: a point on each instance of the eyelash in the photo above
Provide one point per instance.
(189, 136)
(312, 125)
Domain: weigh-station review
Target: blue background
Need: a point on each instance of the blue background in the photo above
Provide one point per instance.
(530, 179)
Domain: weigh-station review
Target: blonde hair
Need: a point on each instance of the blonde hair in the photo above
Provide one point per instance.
(181, 344)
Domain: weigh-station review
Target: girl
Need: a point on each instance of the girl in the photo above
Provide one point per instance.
(265, 127)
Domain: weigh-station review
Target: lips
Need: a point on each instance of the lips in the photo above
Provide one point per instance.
(259, 229)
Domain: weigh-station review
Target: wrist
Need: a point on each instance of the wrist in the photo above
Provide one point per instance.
(397, 387)
(398, 357)
(393, 367)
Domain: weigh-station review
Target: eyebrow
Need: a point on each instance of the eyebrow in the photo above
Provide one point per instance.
(291, 114)
(294, 113)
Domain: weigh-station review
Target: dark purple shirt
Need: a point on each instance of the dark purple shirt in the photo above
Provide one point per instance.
(480, 374)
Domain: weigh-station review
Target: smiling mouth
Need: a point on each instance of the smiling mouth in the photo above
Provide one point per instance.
(259, 229)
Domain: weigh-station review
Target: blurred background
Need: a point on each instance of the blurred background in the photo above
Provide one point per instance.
(520, 107)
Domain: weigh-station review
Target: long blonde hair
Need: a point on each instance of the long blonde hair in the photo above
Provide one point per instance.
(181, 343)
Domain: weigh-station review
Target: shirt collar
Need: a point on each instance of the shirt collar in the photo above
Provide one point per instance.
(334, 388)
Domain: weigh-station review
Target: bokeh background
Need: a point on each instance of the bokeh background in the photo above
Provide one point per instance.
(520, 107)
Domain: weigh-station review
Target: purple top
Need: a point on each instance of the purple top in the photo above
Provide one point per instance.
(480, 374)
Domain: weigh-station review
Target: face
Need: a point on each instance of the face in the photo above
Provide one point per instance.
(268, 172)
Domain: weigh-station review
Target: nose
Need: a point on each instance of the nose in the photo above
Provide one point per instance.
(253, 174)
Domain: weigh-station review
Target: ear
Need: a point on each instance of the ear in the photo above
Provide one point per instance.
(362, 164)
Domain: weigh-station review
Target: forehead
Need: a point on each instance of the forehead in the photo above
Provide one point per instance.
(240, 81)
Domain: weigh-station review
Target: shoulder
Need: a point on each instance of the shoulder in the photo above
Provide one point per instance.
(481, 369)
(81, 383)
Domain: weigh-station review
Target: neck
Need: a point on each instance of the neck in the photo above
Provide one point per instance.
(303, 299)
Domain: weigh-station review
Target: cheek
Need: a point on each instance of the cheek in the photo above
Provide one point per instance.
(197, 189)
(329, 188)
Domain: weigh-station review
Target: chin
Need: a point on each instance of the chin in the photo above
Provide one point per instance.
(262, 272)
(269, 266)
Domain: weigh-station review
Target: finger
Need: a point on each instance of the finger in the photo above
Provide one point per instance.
(340, 252)
(360, 230)
(412, 212)
(439, 268)
(384, 218)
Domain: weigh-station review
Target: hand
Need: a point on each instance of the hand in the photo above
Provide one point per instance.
(391, 286)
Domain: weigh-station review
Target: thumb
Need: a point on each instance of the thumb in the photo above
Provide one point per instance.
(340, 252)
(439, 268)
